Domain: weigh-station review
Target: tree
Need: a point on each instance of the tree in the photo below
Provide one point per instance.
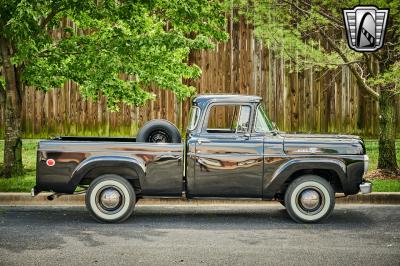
(148, 40)
(296, 29)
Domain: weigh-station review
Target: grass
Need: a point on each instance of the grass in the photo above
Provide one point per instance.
(27, 181)
(389, 185)
(372, 150)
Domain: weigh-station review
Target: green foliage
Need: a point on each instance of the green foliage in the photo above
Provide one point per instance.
(390, 78)
(297, 30)
(2, 83)
(289, 33)
(147, 41)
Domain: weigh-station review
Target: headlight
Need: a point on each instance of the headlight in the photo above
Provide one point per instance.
(366, 162)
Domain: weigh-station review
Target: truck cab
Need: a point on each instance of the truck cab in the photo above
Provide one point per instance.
(225, 146)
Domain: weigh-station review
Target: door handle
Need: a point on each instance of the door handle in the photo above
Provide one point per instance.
(199, 141)
(246, 136)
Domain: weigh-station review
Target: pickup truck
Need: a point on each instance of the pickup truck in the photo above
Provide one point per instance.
(231, 150)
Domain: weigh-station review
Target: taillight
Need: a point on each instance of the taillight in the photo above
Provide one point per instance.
(50, 162)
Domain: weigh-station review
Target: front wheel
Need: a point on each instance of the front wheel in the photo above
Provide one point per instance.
(309, 199)
(110, 199)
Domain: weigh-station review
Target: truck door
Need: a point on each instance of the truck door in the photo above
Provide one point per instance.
(228, 160)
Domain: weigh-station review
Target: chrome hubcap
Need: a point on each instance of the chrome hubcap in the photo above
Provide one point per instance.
(309, 199)
(110, 198)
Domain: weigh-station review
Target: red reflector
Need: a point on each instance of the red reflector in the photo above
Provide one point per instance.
(50, 162)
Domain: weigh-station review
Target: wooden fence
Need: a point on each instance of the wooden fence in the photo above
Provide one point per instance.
(308, 102)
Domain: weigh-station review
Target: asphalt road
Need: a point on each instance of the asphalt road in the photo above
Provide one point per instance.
(205, 235)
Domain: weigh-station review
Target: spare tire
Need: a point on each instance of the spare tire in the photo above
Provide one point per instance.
(159, 131)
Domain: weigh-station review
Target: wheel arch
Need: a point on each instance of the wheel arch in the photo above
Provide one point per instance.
(332, 170)
(132, 169)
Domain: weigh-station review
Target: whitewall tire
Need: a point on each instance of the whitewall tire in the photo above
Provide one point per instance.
(110, 198)
(309, 199)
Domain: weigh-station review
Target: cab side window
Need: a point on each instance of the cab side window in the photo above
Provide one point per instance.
(229, 119)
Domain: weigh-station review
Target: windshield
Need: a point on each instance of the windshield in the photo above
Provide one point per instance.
(263, 124)
(194, 117)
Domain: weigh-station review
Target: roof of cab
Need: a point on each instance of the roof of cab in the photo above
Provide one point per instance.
(235, 98)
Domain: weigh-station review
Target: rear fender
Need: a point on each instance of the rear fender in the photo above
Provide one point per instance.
(125, 164)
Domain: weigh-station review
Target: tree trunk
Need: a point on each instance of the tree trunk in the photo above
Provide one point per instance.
(2, 103)
(12, 134)
(387, 135)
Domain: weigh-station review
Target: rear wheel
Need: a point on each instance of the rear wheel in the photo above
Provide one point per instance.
(110, 199)
(309, 199)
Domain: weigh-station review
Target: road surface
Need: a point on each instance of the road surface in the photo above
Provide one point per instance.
(200, 235)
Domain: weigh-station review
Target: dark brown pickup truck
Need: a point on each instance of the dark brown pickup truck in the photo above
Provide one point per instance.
(231, 150)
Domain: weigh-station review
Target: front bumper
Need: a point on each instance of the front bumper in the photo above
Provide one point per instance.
(365, 187)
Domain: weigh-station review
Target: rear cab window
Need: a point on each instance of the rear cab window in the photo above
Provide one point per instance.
(194, 117)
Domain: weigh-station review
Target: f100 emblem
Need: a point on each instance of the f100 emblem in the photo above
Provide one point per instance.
(365, 26)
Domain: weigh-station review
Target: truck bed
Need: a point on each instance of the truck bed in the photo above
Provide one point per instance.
(162, 163)
(105, 139)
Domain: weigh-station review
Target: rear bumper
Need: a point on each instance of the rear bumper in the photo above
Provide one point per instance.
(35, 191)
(365, 187)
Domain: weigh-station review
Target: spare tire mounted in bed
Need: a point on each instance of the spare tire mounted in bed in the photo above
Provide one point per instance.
(159, 131)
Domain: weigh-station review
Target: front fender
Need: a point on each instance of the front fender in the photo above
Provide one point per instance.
(116, 162)
(286, 170)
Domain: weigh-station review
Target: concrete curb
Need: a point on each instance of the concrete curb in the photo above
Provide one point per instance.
(25, 199)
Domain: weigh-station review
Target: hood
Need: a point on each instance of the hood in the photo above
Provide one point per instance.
(322, 144)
